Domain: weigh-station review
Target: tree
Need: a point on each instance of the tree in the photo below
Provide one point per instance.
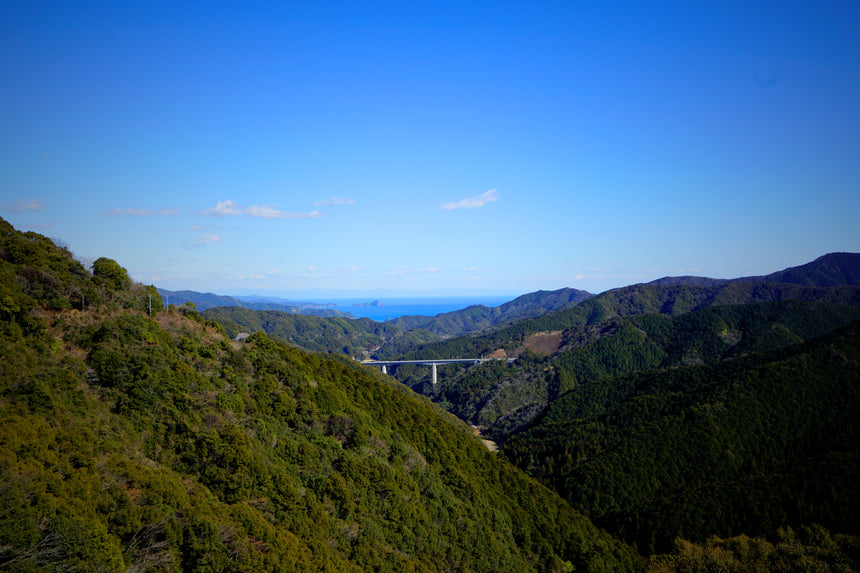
(109, 274)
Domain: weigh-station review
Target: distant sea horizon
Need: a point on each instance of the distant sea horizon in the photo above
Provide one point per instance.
(394, 307)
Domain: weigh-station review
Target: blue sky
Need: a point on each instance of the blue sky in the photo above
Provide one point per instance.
(288, 147)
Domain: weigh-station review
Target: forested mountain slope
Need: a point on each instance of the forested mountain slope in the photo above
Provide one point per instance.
(749, 445)
(352, 337)
(623, 330)
(130, 442)
(502, 398)
(674, 410)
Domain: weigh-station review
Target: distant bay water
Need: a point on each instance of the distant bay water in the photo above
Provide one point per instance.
(394, 307)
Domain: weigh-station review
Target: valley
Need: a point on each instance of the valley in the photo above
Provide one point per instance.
(586, 363)
(643, 428)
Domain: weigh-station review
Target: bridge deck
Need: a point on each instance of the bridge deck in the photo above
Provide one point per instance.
(436, 361)
(432, 363)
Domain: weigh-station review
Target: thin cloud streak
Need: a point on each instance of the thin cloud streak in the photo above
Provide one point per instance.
(22, 205)
(473, 202)
(335, 201)
(228, 208)
(131, 212)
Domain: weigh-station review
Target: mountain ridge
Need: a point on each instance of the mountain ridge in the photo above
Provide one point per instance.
(478, 317)
(828, 270)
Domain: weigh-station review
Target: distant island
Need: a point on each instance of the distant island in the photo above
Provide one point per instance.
(374, 303)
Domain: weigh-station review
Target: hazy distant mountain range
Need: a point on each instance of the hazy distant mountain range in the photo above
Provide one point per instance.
(203, 301)
(831, 278)
(830, 270)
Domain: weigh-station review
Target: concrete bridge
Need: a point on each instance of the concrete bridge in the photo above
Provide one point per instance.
(432, 363)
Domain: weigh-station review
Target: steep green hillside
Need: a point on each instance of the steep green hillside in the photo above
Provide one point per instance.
(744, 445)
(355, 337)
(710, 335)
(352, 337)
(130, 442)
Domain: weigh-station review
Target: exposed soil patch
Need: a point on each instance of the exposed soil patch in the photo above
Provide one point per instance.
(491, 445)
(542, 342)
(500, 353)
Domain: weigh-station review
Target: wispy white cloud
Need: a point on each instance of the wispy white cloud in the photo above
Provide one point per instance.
(208, 239)
(22, 205)
(335, 201)
(270, 211)
(264, 211)
(473, 202)
(130, 212)
(224, 209)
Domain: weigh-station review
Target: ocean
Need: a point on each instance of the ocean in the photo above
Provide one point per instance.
(393, 307)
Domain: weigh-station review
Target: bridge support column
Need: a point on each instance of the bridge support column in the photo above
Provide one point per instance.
(433, 366)
(385, 369)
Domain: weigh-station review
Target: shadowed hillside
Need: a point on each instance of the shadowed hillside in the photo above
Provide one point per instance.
(746, 445)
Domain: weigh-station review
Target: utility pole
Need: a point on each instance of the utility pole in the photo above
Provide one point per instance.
(150, 305)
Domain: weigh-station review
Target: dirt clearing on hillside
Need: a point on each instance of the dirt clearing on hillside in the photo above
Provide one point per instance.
(491, 445)
(542, 342)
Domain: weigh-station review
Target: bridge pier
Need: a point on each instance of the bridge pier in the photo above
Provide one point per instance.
(385, 369)
(433, 365)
